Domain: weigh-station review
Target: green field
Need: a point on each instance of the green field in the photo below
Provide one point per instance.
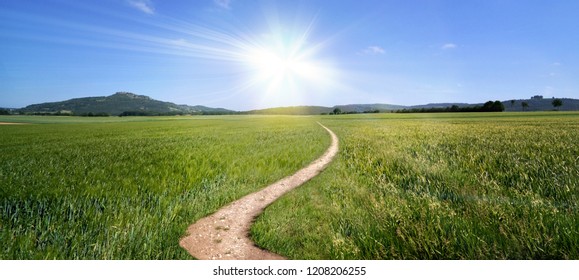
(403, 186)
(437, 186)
(128, 190)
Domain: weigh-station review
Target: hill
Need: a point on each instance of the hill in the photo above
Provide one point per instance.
(125, 103)
(360, 108)
(293, 110)
(536, 103)
(117, 104)
(540, 104)
(440, 105)
(317, 110)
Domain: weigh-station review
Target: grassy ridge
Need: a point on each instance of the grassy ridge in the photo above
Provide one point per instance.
(27, 119)
(128, 190)
(437, 186)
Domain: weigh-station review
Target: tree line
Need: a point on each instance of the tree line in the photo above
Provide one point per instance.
(173, 113)
(489, 106)
(338, 111)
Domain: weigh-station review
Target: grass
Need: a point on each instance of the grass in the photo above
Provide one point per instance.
(127, 188)
(437, 186)
(403, 186)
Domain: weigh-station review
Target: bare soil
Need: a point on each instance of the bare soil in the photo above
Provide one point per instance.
(10, 123)
(224, 235)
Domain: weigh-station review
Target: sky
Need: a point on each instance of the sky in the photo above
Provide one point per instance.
(253, 54)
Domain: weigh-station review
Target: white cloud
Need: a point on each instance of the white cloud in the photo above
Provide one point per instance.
(225, 4)
(145, 6)
(373, 50)
(448, 46)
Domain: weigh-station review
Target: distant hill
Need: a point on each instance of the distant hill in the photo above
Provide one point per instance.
(317, 110)
(125, 103)
(534, 104)
(294, 110)
(368, 107)
(541, 104)
(117, 104)
(440, 105)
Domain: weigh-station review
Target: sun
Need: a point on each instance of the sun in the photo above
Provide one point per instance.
(272, 65)
(275, 63)
(286, 65)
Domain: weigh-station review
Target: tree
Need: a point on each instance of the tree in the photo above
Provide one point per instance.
(487, 107)
(498, 106)
(337, 111)
(557, 103)
(490, 106)
(525, 105)
(512, 103)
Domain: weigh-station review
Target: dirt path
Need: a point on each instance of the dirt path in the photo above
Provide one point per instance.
(225, 234)
(10, 123)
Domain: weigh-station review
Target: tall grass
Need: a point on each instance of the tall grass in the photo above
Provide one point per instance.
(448, 186)
(128, 190)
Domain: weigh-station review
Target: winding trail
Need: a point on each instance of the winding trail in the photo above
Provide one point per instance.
(224, 235)
(11, 123)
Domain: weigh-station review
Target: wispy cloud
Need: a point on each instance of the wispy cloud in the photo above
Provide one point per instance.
(145, 6)
(179, 42)
(449, 46)
(373, 50)
(225, 4)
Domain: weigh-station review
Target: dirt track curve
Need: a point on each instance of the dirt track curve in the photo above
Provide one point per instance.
(224, 235)
(11, 123)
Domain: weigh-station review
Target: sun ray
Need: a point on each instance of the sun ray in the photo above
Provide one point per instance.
(283, 62)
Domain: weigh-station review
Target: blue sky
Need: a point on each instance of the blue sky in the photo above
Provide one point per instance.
(249, 54)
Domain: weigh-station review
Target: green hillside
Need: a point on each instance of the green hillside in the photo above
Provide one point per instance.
(117, 104)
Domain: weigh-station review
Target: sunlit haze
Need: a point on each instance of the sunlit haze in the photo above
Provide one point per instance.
(244, 54)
